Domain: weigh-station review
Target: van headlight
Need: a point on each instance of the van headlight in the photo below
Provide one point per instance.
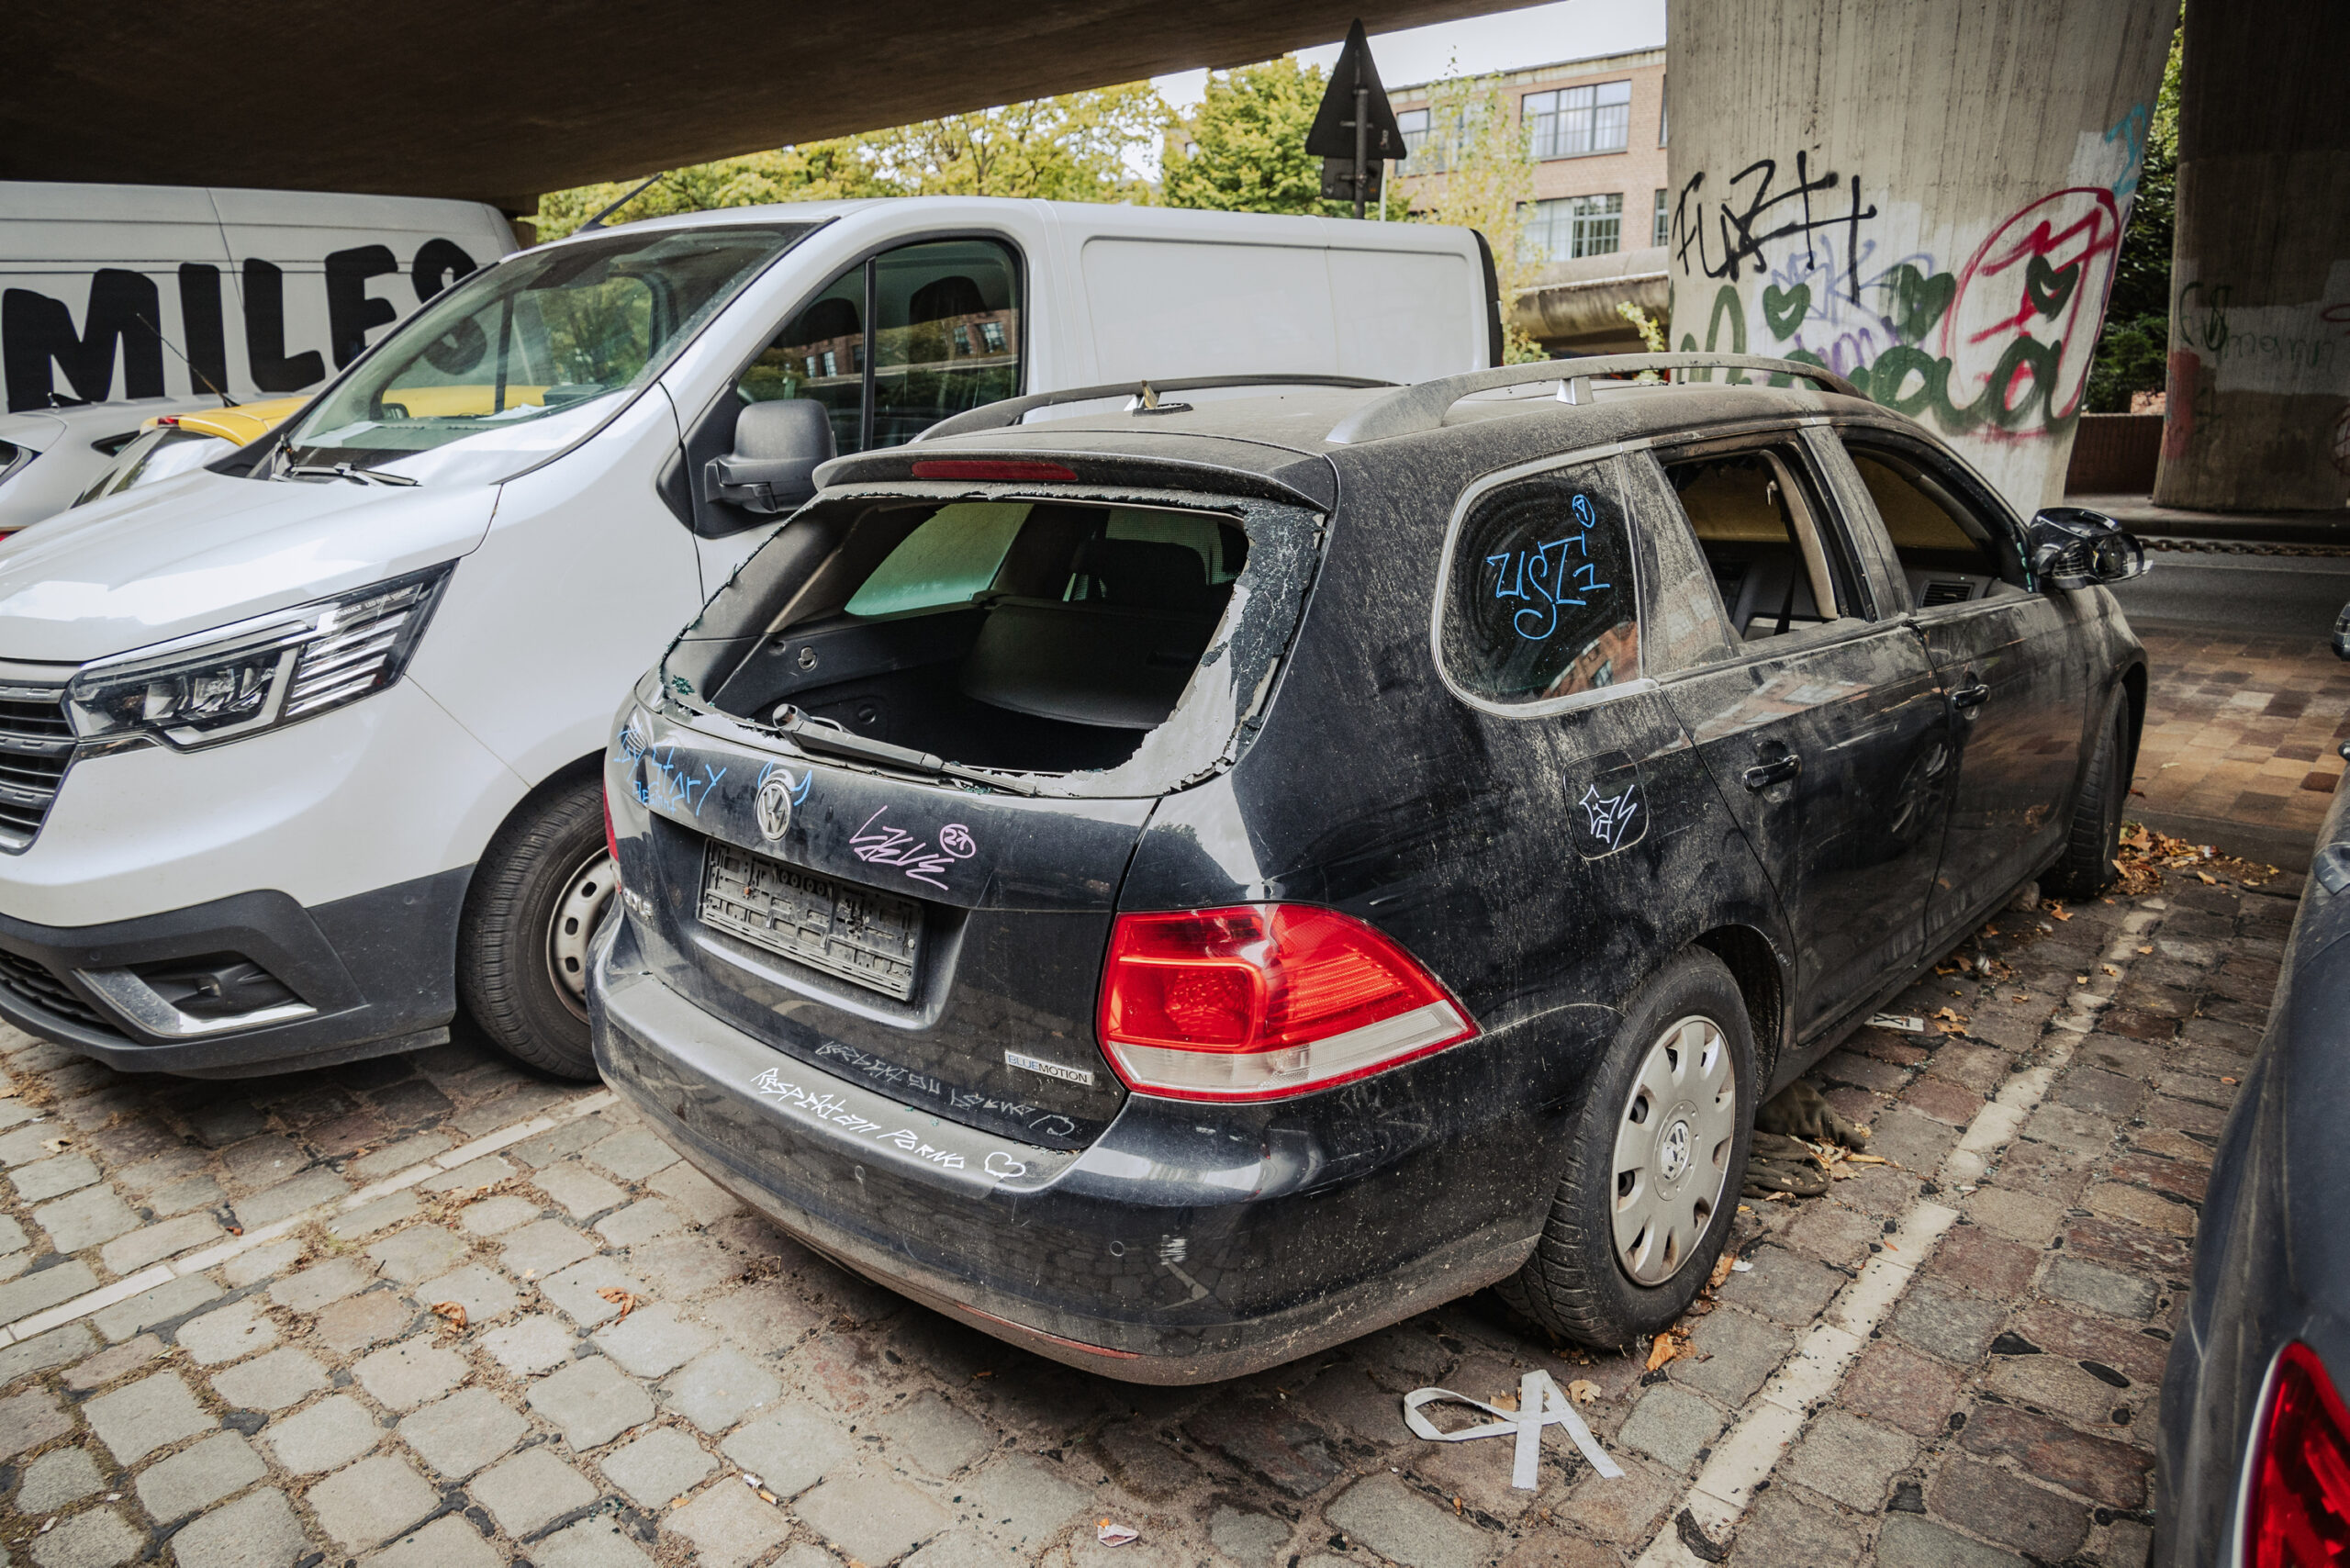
(274, 669)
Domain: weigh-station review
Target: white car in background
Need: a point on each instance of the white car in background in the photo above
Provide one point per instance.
(49, 457)
(300, 752)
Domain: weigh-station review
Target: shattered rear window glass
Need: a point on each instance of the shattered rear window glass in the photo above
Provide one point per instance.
(1540, 601)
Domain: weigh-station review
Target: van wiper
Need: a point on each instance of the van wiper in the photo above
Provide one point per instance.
(813, 734)
(343, 471)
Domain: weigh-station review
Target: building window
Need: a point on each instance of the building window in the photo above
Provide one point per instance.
(962, 340)
(1664, 234)
(1424, 152)
(1572, 226)
(991, 334)
(1573, 122)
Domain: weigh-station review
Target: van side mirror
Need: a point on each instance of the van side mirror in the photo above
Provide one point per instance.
(777, 446)
(2341, 633)
(2072, 547)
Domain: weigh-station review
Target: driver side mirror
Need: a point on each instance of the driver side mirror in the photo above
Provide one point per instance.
(2341, 633)
(778, 447)
(2071, 547)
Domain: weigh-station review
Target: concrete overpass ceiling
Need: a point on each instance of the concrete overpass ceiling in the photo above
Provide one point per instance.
(500, 103)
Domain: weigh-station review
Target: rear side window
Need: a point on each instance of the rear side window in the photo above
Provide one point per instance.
(1539, 598)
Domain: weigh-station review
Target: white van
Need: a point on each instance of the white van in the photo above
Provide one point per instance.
(300, 752)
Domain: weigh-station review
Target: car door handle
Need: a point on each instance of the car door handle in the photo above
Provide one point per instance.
(1776, 770)
(1970, 697)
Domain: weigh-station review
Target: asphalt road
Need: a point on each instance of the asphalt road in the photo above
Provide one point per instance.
(2274, 595)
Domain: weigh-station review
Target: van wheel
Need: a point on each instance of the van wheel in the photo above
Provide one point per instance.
(1655, 1160)
(522, 948)
(2086, 867)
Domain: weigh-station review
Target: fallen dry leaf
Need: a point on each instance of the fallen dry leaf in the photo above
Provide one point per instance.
(1582, 1391)
(1505, 1401)
(2058, 912)
(2081, 980)
(455, 1311)
(1722, 1267)
(627, 1301)
(1867, 1160)
(56, 1144)
(2143, 951)
(1663, 1350)
(2207, 879)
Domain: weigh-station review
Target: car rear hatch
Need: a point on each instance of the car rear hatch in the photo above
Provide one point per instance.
(1050, 657)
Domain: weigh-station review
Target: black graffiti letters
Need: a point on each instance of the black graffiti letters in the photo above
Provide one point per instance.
(1758, 211)
(41, 340)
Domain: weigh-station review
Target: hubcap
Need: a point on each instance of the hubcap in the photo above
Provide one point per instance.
(1672, 1149)
(581, 905)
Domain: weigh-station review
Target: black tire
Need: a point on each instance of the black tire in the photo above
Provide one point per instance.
(2085, 868)
(1578, 1282)
(548, 862)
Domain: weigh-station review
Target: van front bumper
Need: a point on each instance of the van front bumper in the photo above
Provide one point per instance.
(368, 974)
(1189, 1243)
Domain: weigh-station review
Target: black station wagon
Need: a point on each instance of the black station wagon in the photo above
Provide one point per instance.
(1179, 886)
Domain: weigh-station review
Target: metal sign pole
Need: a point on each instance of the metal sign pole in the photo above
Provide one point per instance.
(1362, 142)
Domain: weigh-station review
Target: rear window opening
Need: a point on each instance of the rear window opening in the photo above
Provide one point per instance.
(1117, 645)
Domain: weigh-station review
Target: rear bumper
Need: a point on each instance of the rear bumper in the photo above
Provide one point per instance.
(1190, 1243)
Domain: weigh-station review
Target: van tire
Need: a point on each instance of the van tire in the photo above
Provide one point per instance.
(1577, 1282)
(2086, 867)
(543, 862)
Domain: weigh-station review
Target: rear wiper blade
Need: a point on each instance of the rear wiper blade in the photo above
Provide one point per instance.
(813, 734)
(344, 471)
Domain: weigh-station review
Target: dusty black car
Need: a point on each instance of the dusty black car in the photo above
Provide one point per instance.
(1179, 887)
(2253, 1463)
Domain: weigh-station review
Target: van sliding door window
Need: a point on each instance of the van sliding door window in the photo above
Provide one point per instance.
(945, 335)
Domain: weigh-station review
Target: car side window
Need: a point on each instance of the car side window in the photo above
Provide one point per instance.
(898, 343)
(1540, 597)
(1777, 563)
(1952, 548)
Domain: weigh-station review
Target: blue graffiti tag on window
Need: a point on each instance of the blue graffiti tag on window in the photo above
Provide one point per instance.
(1543, 576)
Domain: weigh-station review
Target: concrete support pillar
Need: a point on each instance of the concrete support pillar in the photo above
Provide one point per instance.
(1927, 198)
(2259, 415)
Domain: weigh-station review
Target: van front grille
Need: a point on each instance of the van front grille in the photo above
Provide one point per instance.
(33, 984)
(36, 743)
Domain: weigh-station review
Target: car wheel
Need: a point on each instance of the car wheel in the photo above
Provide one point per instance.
(2086, 867)
(522, 949)
(1655, 1158)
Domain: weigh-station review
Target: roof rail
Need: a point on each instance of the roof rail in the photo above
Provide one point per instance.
(1422, 407)
(1011, 410)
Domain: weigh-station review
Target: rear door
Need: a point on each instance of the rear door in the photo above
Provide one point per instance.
(2007, 658)
(1822, 727)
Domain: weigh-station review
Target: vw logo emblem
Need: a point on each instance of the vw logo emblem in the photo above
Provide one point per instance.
(772, 805)
(1672, 1158)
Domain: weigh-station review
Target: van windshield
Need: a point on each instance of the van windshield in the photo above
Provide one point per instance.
(527, 356)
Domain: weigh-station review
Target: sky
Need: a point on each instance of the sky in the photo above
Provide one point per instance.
(1509, 40)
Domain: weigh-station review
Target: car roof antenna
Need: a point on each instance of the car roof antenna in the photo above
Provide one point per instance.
(194, 374)
(598, 221)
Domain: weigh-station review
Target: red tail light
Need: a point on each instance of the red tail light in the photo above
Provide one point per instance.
(2298, 1514)
(611, 839)
(1261, 1001)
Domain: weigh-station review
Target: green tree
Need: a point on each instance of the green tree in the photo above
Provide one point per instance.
(2133, 349)
(820, 171)
(1486, 183)
(1244, 149)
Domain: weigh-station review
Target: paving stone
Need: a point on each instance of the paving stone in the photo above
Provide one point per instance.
(532, 1345)
(85, 1218)
(592, 1401)
(633, 1155)
(1830, 1231)
(689, 1264)
(31, 1418)
(874, 1519)
(128, 1254)
(109, 1365)
(198, 1476)
(138, 1419)
(729, 1526)
(2128, 1247)
(372, 1501)
(652, 1341)
(1911, 1541)
(99, 1538)
(1625, 1510)
(418, 1253)
(167, 1302)
(561, 1142)
(53, 1177)
(1269, 1440)
(930, 1435)
(576, 1290)
(2111, 1473)
(1246, 1538)
(258, 1530)
(1025, 1501)
(24, 1146)
(1784, 1531)
(955, 1549)
(1405, 1528)
(405, 1375)
(264, 1160)
(43, 1351)
(1944, 1321)
(317, 1286)
(356, 1322)
(188, 1194)
(528, 1491)
(2019, 1216)
(1853, 1461)
(483, 1292)
(717, 1390)
(368, 1218)
(496, 1216)
(2095, 1285)
(2076, 1131)
(1670, 1424)
(598, 1543)
(12, 1235)
(229, 1334)
(317, 1185)
(273, 1382)
(2015, 1513)
(1895, 1384)
(2052, 1383)
(1735, 1354)
(472, 1176)
(2118, 1347)
(639, 1223)
(400, 1156)
(662, 1464)
(1983, 1262)
(2173, 1178)
(577, 1191)
(1954, 1105)
(44, 1288)
(542, 1249)
(56, 1478)
(2100, 1094)
(1911, 1141)
(463, 1432)
(2138, 1207)
(449, 1542)
(332, 1433)
(693, 1195)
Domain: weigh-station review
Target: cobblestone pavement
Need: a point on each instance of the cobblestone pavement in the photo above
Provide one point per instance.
(435, 1310)
(2240, 733)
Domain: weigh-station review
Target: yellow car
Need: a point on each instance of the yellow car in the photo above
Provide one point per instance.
(174, 444)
